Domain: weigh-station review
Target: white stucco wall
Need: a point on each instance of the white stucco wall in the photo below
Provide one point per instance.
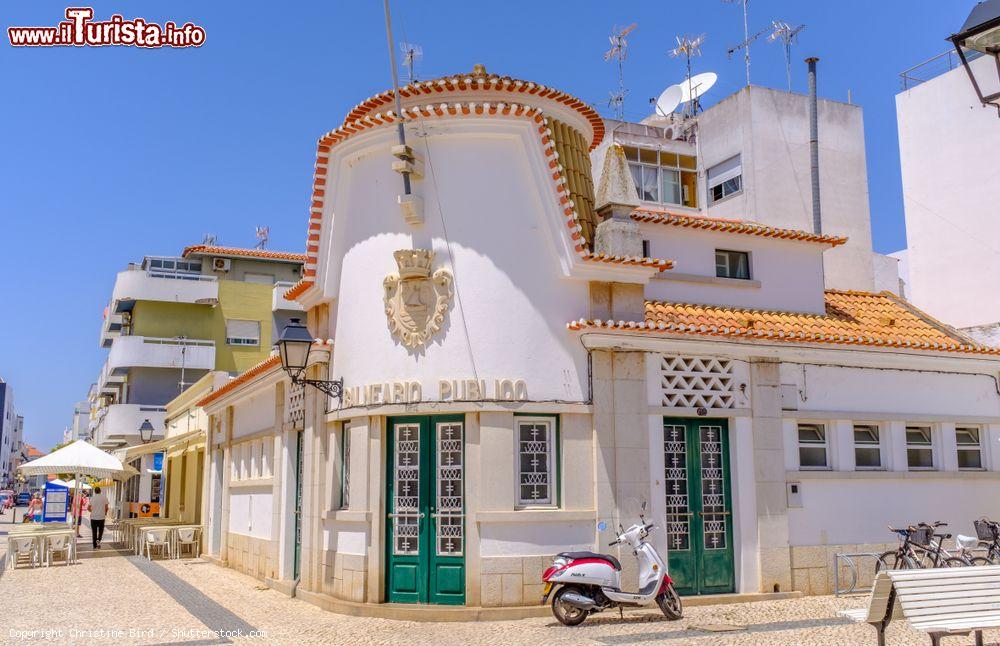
(486, 206)
(770, 129)
(255, 413)
(251, 511)
(950, 193)
(917, 392)
(790, 274)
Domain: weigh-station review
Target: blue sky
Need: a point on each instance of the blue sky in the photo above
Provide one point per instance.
(107, 154)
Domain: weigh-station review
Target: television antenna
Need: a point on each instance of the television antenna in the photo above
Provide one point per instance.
(745, 46)
(788, 36)
(619, 52)
(688, 47)
(262, 234)
(746, 33)
(411, 54)
(209, 239)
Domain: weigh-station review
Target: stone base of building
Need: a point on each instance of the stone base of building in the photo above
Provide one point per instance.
(413, 612)
(252, 556)
(813, 566)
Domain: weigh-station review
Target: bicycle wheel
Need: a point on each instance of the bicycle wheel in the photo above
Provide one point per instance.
(895, 561)
(980, 560)
(954, 561)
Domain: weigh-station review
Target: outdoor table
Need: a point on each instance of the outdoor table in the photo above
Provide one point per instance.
(140, 530)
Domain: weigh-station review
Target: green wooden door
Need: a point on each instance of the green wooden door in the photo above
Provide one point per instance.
(425, 500)
(698, 505)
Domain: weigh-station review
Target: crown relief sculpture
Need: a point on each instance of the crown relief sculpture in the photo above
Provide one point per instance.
(416, 301)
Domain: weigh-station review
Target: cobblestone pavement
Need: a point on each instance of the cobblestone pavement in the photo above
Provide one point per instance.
(181, 602)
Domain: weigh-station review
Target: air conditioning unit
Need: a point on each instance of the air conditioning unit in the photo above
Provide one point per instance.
(221, 264)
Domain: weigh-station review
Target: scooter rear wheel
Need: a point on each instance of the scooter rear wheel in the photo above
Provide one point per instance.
(670, 603)
(567, 614)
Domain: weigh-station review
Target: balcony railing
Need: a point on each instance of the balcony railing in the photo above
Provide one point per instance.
(934, 67)
(278, 300)
(136, 284)
(119, 424)
(155, 352)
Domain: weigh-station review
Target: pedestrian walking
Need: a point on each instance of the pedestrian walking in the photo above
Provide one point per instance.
(79, 504)
(34, 510)
(98, 508)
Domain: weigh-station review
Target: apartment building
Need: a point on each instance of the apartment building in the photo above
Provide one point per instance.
(171, 320)
(9, 437)
(747, 157)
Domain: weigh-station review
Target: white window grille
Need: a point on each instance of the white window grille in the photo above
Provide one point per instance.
(812, 447)
(867, 449)
(450, 514)
(242, 332)
(970, 450)
(406, 490)
(697, 382)
(919, 448)
(535, 455)
(677, 487)
(714, 516)
(295, 406)
(345, 469)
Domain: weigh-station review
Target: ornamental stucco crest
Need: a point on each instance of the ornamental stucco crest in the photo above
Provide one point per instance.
(415, 300)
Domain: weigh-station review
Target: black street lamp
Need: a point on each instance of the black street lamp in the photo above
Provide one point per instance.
(981, 33)
(146, 432)
(294, 346)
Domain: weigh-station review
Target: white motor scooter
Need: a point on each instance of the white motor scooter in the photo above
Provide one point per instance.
(586, 582)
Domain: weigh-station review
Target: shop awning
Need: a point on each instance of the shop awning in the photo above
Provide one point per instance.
(160, 445)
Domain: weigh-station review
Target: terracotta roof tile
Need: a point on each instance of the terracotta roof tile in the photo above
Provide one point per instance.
(656, 216)
(210, 250)
(660, 263)
(851, 318)
(260, 368)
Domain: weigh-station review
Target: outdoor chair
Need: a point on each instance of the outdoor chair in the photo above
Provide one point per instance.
(187, 537)
(157, 538)
(25, 549)
(59, 544)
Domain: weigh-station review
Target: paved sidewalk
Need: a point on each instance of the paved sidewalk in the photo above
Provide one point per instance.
(134, 601)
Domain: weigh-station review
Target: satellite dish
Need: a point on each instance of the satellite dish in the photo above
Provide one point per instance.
(669, 100)
(697, 85)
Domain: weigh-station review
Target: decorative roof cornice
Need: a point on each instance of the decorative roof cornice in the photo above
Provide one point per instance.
(266, 254)
(653, 216)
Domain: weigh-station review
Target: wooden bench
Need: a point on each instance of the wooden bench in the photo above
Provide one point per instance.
(940, 602)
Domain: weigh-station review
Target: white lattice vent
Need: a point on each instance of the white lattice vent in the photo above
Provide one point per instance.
(295, 405)
(697, 382)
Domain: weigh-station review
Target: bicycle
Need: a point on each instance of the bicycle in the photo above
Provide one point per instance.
(988, 533)
(919, 548)
(936, 552)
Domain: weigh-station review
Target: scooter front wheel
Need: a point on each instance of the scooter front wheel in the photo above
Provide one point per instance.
(568, 615)
(670, 603)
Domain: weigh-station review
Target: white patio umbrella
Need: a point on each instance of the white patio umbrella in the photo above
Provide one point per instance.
(80, 458)
(72, 484)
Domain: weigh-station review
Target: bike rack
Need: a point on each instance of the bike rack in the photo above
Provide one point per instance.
(848, 560)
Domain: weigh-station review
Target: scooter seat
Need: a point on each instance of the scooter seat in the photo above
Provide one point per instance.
(592, 555)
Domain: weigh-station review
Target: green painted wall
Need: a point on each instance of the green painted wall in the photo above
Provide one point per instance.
(237, 300)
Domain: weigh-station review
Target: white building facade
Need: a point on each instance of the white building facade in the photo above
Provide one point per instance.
(525, 355)
(950, 195)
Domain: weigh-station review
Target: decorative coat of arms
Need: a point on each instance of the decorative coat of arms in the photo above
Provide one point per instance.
(416, 301)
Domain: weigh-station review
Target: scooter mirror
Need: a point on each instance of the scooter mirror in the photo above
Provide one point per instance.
(601, 526)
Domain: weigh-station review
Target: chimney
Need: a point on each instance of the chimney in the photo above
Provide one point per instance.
(814, 146)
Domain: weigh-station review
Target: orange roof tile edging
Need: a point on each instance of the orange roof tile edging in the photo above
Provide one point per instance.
(653, 216)
(262, 367)
(248, 253)
(852, 318)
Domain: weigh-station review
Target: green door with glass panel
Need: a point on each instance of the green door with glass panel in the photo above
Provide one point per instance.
(698, 505)
(425, 501)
